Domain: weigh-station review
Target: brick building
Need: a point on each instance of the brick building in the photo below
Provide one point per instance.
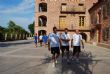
(71, 14)
(100, 22)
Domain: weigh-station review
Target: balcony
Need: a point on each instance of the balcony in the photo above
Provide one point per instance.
(73, 10)
(73, 28)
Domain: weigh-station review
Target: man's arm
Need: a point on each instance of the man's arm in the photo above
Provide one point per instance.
(82, 44)
(72, 43)
(66, 40)
(63, 39)
(60, 43)
(49, 44)
(82, 41)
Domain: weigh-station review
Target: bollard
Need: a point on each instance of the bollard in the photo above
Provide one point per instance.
(5, 36)
(23, 36)
(26, 36)
(29, 36)
(16, 37)
(11, 36)
(19, 36)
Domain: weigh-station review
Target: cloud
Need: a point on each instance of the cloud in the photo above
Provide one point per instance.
(22, 21)
(22, 14)
(26, 6)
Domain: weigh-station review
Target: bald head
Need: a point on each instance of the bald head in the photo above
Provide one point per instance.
(77, 31)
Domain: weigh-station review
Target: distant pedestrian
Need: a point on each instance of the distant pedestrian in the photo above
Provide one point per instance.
(35, 39)
(76, 44)
(45, 39)
(54, 45)
(40, 40)
(65, 38)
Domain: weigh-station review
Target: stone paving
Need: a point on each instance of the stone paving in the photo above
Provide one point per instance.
(22, 57)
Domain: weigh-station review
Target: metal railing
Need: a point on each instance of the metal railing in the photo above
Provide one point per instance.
(72, 8)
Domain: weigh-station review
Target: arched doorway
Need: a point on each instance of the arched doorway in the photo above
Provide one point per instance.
(84, 36)
(42, 32)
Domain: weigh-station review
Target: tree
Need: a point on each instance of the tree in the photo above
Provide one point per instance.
(2, 29)
(15, 29)
(31, 27)
(11, 26)
(12, 31)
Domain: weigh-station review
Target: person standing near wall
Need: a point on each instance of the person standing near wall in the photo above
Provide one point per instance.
(45, 39)
(35, 39)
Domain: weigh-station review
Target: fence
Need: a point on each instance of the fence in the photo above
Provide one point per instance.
(11, 37)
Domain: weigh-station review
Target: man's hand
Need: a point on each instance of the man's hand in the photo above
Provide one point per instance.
(82, 44)
(67, 40)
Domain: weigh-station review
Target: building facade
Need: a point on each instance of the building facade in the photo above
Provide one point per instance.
(100, 22)
(71, 14)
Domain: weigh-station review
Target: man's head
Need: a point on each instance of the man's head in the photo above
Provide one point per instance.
(54, 29)
(77, 31)
(66, 30)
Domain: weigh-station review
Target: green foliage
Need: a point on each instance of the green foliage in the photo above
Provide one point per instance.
(2, 29)
(12, 30)
(15, 29)
(31, 27)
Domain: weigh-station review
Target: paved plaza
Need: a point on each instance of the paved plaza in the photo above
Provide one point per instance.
(22, 57)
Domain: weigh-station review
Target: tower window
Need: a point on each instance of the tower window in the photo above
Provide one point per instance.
(81, 20)
(43, 7)
(42, 20)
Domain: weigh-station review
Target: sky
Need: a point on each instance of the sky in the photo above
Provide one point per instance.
(19, 11)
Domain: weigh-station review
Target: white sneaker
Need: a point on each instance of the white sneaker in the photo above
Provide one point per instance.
(53, 65)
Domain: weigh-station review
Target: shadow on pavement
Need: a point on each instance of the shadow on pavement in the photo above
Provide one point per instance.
(84, 66)
(46, 60)
(6, 44)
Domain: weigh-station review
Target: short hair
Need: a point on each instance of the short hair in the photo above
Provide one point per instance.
(54, 28)
(66, 28)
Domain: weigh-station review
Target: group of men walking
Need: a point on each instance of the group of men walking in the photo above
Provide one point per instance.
(57, 42)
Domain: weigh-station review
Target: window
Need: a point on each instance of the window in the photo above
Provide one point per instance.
(63, 7)
(81, 20)
(43, 7)
(62, 22)
(106, 34)
(42, 20)
(104, 11)
(108, 8)
(81, 4)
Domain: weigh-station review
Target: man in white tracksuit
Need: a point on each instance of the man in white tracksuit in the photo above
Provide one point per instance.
(54, 45)
(76, 44)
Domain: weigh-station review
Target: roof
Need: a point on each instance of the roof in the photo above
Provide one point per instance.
(95, 6)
